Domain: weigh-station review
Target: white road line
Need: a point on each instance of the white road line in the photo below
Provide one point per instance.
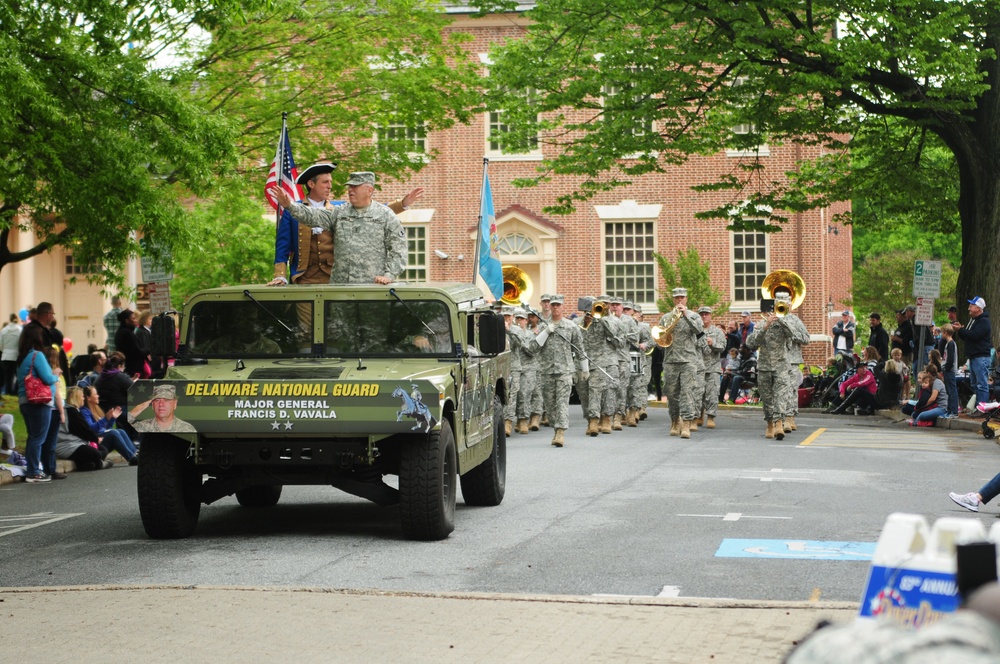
(670, 591)
(48, 517)
(738, 515)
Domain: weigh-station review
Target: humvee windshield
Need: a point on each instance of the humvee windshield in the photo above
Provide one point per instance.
(246, 329)
(387, 328)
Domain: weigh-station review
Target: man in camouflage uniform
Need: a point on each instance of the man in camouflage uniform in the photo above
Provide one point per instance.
(715, 344)
(515, 344)
(529, 371)
(800, 337)
(539, 417)
(369, 243)
(680, 362)
(601, 339)
(635, 397)
(535, 405)
(630, 333)
(560, 348)
(164, 404)
(771, 339)
(645, 337)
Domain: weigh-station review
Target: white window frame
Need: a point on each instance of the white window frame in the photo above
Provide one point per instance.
(425, 262)
(627, 293)
(752, 304)
(413, 154)
(500, 155)
(761, 150)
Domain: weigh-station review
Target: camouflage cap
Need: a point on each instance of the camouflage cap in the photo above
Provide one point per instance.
(362, 177)
(507, 311)
(704, 310)
(679, 292)
(627, 304)
(557, 299)
(614, 299)
(545, 298)
(637, 308)
(165, 392)
(520, 313)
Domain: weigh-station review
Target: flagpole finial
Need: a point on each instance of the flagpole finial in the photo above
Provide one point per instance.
(486, 160)
(284, 115)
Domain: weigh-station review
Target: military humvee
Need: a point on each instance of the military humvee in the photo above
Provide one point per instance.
(328, 385)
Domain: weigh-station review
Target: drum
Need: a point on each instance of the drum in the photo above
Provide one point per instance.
(635, 362)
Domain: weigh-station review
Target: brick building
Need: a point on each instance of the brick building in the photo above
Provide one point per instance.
(607, 244)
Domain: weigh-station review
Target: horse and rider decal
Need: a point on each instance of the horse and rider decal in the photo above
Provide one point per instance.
(414, 407)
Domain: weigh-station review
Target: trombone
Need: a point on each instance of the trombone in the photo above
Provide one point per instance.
(597, 311)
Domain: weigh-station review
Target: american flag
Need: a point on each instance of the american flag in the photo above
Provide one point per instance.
(288, 171)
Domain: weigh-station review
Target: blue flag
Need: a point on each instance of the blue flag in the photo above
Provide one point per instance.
(490, 268)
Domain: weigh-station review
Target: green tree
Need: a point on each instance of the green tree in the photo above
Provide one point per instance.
(95, 143)
(346, 72)
(231, 243)
(693, 274)
(787, 70)
(883, 282)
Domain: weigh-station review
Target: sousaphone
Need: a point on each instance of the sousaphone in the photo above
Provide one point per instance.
(516, 286)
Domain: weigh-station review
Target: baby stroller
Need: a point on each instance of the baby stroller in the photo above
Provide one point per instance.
(991, 424)
(828, 385)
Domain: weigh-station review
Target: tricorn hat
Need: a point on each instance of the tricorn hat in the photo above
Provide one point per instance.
(314, 171)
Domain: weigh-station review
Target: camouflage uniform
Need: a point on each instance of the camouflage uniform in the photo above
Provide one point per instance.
(680, 363)
(558, 360)
(630, 335)
(368, 242)
(516, 338)
(598, 394)
(771, 342)
(151, 426)
(646, 336)
(529, 381)
(800, 337)
(709, 401)
(639, 389)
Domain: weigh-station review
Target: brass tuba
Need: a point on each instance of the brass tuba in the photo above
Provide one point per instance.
(784, 280)
(516, 286)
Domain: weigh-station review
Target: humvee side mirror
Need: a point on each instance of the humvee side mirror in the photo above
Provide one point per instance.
(492, 333)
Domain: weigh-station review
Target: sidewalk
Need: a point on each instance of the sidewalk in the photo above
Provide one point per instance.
(218, 624)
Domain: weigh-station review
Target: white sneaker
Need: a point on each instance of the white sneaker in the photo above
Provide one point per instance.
(969, 501)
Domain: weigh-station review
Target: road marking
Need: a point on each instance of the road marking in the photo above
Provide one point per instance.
(813, 436)
(796, 549)
(814, 597)
(670, 591)
(734, 516)
(39, 519)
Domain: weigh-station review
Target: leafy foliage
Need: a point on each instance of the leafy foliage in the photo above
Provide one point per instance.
(883, 282)
(231, 243)
(693, 274)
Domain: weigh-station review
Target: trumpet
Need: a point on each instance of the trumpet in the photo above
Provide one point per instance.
(596, 308)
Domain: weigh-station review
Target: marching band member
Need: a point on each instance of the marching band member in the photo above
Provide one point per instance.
(715, 344)
(679, 361)
(601, 339)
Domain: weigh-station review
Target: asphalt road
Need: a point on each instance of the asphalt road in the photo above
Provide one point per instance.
(636, 513)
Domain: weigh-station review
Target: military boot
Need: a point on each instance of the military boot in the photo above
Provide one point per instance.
(630, 418)
(545, 420)
(693, 425)
(535, 422)
(779, 430)
(675, 426)
(557, 438)
(605, 424)
(616, 425)
(507, 426)
(686, 428)
(786, 426)
(711, 422)
(700, 419)
(770, 430)
(642, 413)
(790, 421)
(592, 428)
(522, 425)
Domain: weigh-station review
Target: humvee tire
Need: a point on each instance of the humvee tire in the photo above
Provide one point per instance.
(260, 495)
(484, 485)
(169, 488)
(428, 468)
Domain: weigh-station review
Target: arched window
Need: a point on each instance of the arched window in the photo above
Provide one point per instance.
(516, 244)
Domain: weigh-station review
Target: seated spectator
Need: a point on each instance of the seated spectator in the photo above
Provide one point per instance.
(82, 364)
(934, 358)
(100, 424)
(746, 372)
(871, 358)
(890, 385)
(932, 399)
(858, 390)
(897, 357)
(97, 362)
(112, 386)
(76, 441)
(7, 442)
(730, 364)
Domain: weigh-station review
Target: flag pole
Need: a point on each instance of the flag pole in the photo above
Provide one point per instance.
(281, 167)
(479, 225)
